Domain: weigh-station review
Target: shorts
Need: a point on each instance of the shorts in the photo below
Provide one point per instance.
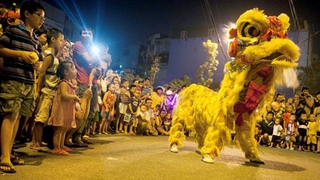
(132, 119)
(16, 98)
(127, 117)
(290, 138)
(96, 117)
(275, 139)
(107, 115)
(312, 138)
(104, 114)
(123, 108)
(44, 108)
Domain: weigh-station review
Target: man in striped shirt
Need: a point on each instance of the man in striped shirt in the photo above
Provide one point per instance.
(20, 49)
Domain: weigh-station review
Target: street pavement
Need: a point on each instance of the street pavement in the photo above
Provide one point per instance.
(120, 157)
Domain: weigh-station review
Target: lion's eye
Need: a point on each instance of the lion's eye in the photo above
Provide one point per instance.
(253, 32)
(250, 31)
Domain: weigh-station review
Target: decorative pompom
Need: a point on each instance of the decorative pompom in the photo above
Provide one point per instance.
(232, 33)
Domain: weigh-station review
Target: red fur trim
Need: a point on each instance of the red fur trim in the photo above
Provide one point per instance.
(232, 50)
(232, 33)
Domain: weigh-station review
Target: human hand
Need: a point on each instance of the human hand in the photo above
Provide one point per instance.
(28, 57)
(87, 93)
(76, 98)
(37, 66)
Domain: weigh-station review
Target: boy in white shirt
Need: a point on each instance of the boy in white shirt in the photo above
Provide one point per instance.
(276, 134)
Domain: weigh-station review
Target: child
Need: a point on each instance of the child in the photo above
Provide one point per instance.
(107, 108)
(276, 135)
(168, 122)
(124, 97)
(287, 114)
(82, 111)
(132, 110)
(312, 138)
(20, 51)
(291, 132)
(302, 129)
(64, 53)
(143, 125)
(63, 108)
(318, 134)
(94, 76)
(97, 116)
(150, 117)
(161, 118)
(47, 82)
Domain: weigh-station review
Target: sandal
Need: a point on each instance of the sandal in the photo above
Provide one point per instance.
(66, 149)
(7, 165)
(17, 161)
(60, 152)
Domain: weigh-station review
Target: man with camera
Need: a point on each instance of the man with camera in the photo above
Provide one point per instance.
(304, 101)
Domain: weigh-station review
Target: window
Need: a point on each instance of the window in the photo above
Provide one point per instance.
(210, 32)
(184, 34)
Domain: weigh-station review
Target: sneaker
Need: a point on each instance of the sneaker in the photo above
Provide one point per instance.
(292, 148)
(87, 141)
(85, 136)
(174, 148)
(207, 159)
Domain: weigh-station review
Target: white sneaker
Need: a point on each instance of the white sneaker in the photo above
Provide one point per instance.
(174, 148)
(207, 158)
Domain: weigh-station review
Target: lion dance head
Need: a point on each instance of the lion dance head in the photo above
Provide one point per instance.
(260, 37)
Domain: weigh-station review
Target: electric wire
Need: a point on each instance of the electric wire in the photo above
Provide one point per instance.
(207, 6)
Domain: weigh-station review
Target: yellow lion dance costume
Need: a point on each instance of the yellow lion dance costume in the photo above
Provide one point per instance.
(262, 56)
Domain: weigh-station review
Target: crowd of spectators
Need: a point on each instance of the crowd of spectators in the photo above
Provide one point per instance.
(65, 93)
(55, 93)
(293, 124)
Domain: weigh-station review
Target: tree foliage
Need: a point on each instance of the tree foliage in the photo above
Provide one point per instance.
(205, 71)
(178, 83)
(154, 69)
(310, 75)
(149, 65)
(129, 75)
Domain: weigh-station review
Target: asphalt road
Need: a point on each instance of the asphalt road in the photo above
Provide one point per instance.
(120, 157)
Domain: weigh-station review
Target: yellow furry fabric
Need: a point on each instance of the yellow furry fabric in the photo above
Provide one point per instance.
(261, 47)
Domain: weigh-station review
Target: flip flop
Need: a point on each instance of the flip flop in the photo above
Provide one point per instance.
(65, 148)
(17, 161)
(11, 170)
(60, 152)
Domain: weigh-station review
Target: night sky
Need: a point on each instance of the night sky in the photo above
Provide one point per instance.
(132, 21)
(126, 22)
